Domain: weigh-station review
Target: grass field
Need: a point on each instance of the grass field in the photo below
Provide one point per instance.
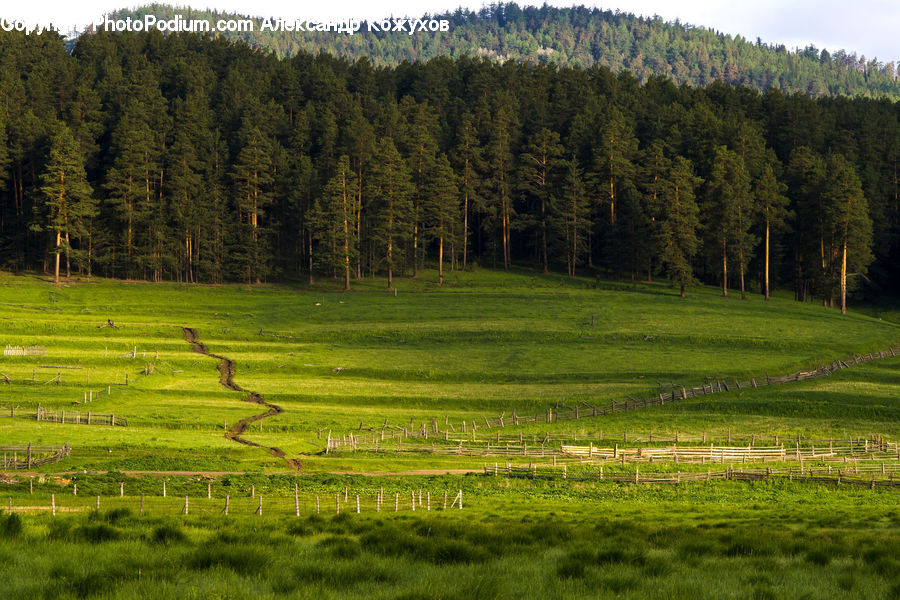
(483, 344)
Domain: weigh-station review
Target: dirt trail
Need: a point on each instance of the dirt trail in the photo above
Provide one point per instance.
(226, 378)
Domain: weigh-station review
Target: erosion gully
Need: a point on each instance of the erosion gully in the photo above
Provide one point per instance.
(226, 369)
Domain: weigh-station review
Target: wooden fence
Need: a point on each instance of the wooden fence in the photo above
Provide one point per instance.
(228, 505)
(870, 475)
(797, 449)
(352, 440)
(24, 351)
(30, 456)
(861, 450)
(63, 416)
(667, 393)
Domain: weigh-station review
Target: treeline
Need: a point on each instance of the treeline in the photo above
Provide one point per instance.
(585, 37)
(195, 159)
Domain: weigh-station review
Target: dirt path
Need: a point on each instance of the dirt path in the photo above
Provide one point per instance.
(226, 378)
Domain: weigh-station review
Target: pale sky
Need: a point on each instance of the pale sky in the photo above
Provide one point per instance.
(869, 27)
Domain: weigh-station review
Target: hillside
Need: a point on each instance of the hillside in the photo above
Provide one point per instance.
(586, 37)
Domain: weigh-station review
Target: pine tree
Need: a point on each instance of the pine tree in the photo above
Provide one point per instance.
(848, 215)
(500, 165)
(728, 212)
(654, 170)
(537, 171)
(806, 181)
(390, 197)
(570, 216)
(772, 206)
(67, 196)
(129, 182)
(614, 162)
(442, 208)
(680, 223)
(421, 125)
(468, 164)
(332, 221)
(253, 178)
(188, 161)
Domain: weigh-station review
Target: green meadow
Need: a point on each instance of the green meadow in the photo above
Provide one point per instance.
(483, 344)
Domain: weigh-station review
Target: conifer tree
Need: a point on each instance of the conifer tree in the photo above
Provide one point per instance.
(500, 165)
(253, 178)
(332, 221)
(390, 201)
(468, 164)
(848, 215)
(188, 160)
(442, 209)
(680, 223)
(772, 205)
(570, 216)
(537, 165)
(67, 196)
(728, 213)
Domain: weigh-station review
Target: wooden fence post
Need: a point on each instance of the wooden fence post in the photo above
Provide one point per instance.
(296, 501)
(142, 503)
(227, 499)
(185, 509)
(259, 508)
(53, 504)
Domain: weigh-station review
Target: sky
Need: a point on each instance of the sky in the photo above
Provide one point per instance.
(867, 27)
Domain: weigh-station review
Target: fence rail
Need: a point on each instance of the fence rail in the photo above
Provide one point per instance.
(411, 500)
(24, 351)
(63, 416)
(796, 450)
(667, 393)
(879, 475)
(30, 456)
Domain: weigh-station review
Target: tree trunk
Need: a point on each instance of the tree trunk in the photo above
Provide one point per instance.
(56, 271)
(766, 267)
(844, 280)
(724, 267)
(544, 233)
(441, 256)
(68, 261)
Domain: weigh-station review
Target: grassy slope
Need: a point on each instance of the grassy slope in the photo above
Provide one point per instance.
(484, 343)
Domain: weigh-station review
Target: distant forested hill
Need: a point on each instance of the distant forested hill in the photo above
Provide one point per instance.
(585, 37)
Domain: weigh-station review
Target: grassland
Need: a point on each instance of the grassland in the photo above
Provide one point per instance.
(482, 344)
